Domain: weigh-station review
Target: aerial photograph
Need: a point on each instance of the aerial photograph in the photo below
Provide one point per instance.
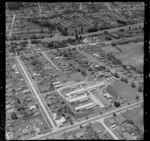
(74, 70)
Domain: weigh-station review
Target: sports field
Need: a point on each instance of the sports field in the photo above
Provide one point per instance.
(132, 54)
(125, 90)
(122, 89)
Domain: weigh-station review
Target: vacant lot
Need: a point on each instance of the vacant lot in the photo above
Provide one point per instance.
(75, 77)
(132, 54)
(136, 116)
(124, 90)
(110, 49)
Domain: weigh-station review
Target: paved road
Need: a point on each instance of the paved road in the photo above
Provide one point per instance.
(35, 91)
(113, 135)
(63, 129)
(12, 25)
(108, 6)
(85, 20)
(84, 35)
(50, 61)
(39, 7)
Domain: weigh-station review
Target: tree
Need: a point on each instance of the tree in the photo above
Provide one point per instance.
(126, 80)
(13, 5)
(105, 32)
(129, 27)
(14, 116)
(116, 75)
(122, 79)
(133, 84)
(137, 97)
(117, 104)
(114, 114)
(140, 88)
(81, 30)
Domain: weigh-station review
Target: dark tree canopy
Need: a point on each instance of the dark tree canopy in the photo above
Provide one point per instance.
(14, 5)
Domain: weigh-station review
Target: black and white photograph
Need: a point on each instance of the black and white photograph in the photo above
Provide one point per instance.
(74, 70)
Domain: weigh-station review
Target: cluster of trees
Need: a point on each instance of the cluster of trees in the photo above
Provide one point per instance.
(116, 104)
(113, 59)
(51, 26)
(93, 29)
(91, 134)
(14, 5)
(124, 79)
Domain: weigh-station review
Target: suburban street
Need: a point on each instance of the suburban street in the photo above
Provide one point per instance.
(50, 61)
(74, 70)
(29, 80)
(90, 120)
(84, 35)
(11, 30)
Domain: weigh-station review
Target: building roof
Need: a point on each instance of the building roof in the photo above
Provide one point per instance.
(84, 106)
(101, 105)
(60, 121)
(78, 98)
(70, 137)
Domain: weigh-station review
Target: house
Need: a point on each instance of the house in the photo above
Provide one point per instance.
(112, 121)
(70, 137)
(79, 134)
(26, 91)
(8, 106)
(31, 104)
(11, 110)
(10, 135)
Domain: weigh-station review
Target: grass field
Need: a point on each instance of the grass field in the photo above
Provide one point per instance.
(136, 117)
(132, 54)
(109, 49)
(112, 92)
(124, 90)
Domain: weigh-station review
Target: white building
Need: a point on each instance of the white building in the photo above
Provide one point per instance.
(107, 95)
(101, 105)
(84, 106)
(78, 98)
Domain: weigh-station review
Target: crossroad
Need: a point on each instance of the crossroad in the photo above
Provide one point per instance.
(63, 129)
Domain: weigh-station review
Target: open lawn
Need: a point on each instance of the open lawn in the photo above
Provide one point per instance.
(75, 77)
(136, 116)
(110, 49)
(124, 90)
(132, 54)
